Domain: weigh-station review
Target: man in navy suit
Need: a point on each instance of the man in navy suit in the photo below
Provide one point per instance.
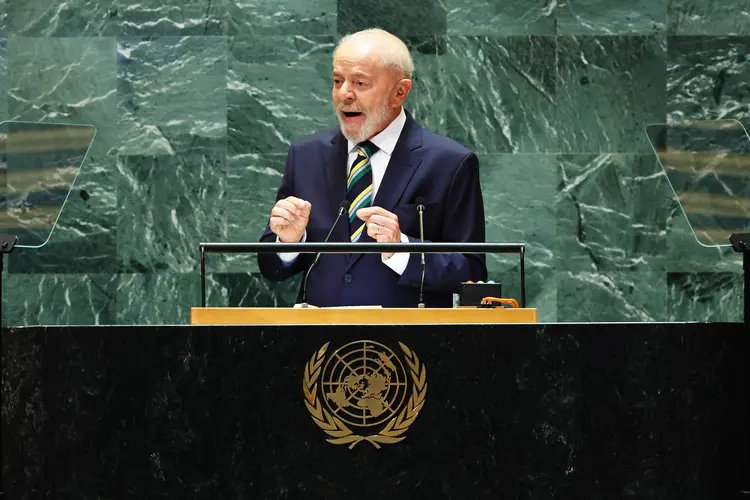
(380, 161)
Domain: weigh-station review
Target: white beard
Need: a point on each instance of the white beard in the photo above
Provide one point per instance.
(373, 120)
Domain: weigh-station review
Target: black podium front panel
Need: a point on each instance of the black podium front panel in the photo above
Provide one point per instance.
(510, 411)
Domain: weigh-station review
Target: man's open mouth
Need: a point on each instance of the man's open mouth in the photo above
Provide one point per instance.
(352, 114)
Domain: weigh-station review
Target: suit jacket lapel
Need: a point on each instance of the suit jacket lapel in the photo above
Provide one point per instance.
(401, 168)
(335, 172)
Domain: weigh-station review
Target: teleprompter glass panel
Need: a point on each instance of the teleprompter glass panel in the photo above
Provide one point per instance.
(39, 163)
(707, 164)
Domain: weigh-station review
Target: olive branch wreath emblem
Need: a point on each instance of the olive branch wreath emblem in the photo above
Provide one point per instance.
(337, 430)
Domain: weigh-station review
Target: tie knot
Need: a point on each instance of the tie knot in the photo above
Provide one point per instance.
(367, 149)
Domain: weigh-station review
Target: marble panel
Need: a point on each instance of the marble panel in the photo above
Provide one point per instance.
(278, 90)
(59, 299)
(608, 90)
(518, 210)
(501, 17)
(705, 297)
(612, 213)
(281, 17)
(708, 78)
(166, 206)
(709, 17)
(403, 19)
(68, 18)
(173, 17)
(171, 94)
(3, 75)
(605, 17)
(503, 94)
(612, 296)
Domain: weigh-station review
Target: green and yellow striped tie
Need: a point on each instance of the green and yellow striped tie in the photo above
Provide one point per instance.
(359, 187)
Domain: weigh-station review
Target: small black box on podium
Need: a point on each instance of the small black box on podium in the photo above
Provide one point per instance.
(472, 293)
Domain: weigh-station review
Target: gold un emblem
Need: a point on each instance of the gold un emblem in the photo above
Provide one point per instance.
(364, 386)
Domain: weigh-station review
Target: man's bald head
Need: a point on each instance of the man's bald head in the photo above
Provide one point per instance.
(379, 46)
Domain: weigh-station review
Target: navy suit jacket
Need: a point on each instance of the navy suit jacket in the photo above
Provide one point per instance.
(423, 164)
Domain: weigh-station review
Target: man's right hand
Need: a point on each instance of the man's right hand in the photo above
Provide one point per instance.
(289, 219)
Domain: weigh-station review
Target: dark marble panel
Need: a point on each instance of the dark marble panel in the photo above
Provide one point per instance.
(158, 298)
(249, 188)
(65, 80)
(278, 90)
(705, 297)
(3, 18)
(90, 210)
(252, 183)
(251, 290)
(172, 95)
(429, 99)
(709, 17)
(165, 298)
(403, 19)
(281, 17)
(514, 411)
(166, 206)
(76, 256)
(59, 299)
(3, 76)
(501, 17)
(603, 17)
(172, 17)
(72, 18)
(685, 254)
(612, 295)
(608, 90)
(708, 78)
(612, 212)
(503, 94)
(520, 211)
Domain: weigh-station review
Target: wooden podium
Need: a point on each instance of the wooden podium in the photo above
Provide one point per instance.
(358, 316)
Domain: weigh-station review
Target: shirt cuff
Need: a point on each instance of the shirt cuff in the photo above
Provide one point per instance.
(288, 257)
(398, 261)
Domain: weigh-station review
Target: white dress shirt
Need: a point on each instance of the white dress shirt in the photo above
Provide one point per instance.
(386, 143)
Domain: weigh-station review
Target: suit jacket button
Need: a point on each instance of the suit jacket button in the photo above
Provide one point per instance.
(347, 278)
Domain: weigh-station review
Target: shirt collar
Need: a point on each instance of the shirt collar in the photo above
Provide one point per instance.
(387, 139)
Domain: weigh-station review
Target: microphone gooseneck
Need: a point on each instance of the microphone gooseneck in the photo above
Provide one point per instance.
(343, 209)
(420, 210)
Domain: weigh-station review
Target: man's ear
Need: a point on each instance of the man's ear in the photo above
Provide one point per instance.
(401, 91)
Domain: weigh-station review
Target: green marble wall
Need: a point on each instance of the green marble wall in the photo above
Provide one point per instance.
(196, 101)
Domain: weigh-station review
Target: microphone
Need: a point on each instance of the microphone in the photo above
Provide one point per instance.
(420, 209)
(343, 208)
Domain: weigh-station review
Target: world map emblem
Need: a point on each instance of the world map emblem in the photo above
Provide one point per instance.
(364, 391)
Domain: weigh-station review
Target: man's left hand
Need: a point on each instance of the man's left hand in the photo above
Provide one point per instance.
(382, 226)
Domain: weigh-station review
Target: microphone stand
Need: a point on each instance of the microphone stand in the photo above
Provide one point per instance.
(420, 209)
(343, 208)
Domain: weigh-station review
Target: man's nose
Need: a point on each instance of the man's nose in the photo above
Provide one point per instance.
(345, 92)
